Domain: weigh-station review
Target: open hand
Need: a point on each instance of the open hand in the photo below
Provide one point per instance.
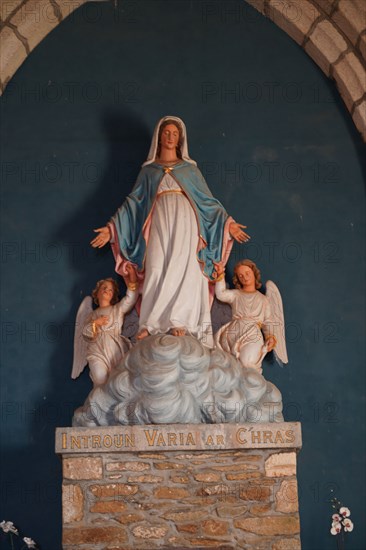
(235, 230)
(102, 238)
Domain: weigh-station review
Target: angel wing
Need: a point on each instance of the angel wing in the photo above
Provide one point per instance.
(274, 297)
(80, 346)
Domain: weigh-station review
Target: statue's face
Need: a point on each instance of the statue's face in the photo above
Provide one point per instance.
(170, 137)
(105, 292)
(245, 276)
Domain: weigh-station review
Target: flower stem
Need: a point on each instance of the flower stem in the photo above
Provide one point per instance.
(340, 541)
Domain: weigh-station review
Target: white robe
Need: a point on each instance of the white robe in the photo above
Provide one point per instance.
(252, 317)
(107, 346)
(175, 292)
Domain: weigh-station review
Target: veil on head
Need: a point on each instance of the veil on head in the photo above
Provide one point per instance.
(154, 143)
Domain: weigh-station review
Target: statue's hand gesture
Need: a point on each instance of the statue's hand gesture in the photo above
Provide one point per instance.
(131, 270)
(271, 342)
(235, 230)
(102, 238)
(102, 320)
(219, 270)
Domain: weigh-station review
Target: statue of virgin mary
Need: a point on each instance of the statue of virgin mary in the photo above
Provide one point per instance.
(174, 231)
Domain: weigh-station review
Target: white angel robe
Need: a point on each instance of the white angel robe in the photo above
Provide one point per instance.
(107, 346)
(252, 318)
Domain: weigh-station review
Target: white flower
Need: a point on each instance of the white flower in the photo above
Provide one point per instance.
(348, 525)
(8, 526)
(345, 512)
(336, 518)
(29, 542)
(336, 528)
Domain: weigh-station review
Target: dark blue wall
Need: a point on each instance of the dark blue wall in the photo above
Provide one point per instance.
(277, 147)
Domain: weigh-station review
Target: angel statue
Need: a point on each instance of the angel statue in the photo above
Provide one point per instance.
(173, 230)
(98, 340)
(258, 325)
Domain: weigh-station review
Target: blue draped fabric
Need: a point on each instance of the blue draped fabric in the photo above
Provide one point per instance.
(211, 216)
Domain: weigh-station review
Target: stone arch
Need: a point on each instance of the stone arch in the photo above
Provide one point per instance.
(332, 32)
(23, 25)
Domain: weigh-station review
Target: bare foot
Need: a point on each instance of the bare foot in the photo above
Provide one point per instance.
(142, 334)
(178, 331)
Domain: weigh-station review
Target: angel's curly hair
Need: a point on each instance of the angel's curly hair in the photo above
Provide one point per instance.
(180, 129)
(253, 267)
(115, 296)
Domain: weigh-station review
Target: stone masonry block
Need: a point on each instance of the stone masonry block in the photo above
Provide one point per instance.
(72, 503)
(7, 7)
(129, 466)
(362, 46)
(171, 493)
(270, 525)
(13, 53)
(114, 490)
(350, 76)
(325, 45)
(108, 507)
(188, 514)
(287, 544)
(82, 468)
(168, 466)
(34, 20)
(201, 508)
(326, 5)
(287, 497)
(130, 518)
(145, 479)
(260, 509)
(188, 528)
(281, 464)
(150, 531)
(93, 535)
(350, 16)
(202, 542)
(359, 117)
(294, 17)
(214, 527)
(230, 468)
(207, 477)
(242, 476)
(179, 479)
(231, 511)
(255, 492)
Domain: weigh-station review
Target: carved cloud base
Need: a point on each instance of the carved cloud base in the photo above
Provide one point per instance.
(180, 486)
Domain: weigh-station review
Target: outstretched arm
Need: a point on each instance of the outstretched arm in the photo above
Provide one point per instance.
(221, 292)
(127, 303)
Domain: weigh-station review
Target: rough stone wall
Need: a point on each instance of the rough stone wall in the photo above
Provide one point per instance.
(215, 499)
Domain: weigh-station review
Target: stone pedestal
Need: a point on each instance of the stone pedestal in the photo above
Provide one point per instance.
(180, 486)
